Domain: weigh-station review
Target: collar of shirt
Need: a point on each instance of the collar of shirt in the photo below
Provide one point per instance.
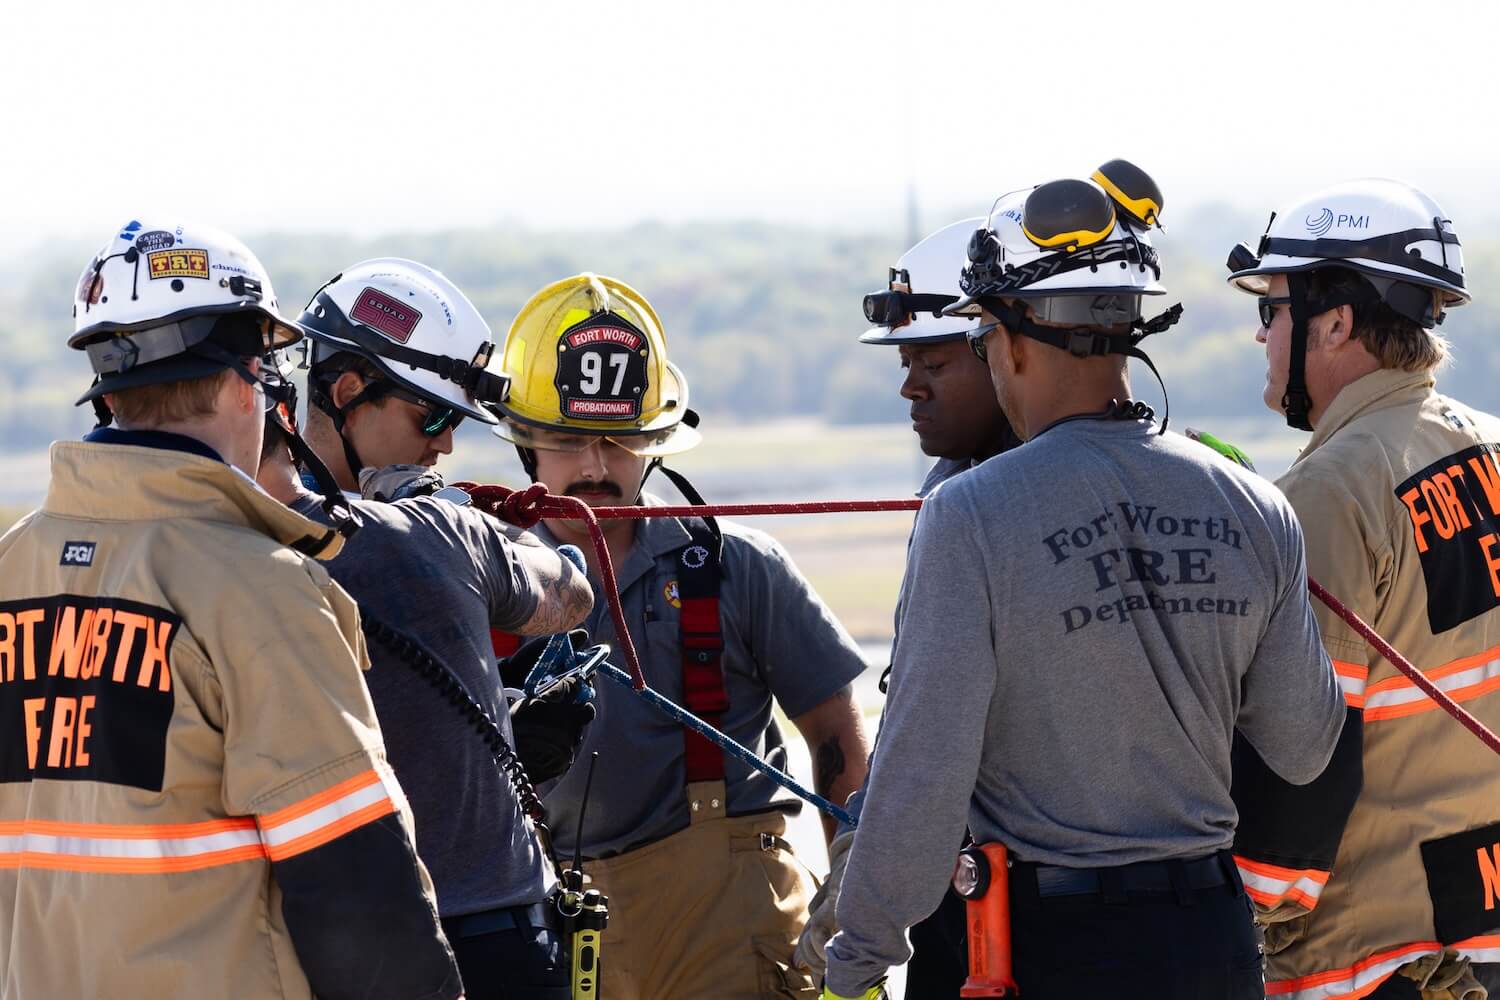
(165, 440)
(1375, 391)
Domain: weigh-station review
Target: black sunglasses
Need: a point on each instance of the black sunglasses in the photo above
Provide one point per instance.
(976, 340)
(1267, 305)
(435, 418)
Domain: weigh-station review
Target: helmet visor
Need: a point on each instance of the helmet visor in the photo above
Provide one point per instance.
(648, 444)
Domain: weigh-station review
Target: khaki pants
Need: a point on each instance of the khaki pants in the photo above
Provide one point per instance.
(711, 911)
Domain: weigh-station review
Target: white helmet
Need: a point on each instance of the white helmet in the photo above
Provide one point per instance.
(923, 283)
(415, 327)
(1077, 253)
(167, 302)
(1390, 232)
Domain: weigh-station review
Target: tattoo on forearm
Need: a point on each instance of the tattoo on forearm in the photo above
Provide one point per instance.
(563, 603)
(829, 766)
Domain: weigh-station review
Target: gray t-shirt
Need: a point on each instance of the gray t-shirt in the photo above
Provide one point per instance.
(1085, 621)
(445, 574)
(779, 641)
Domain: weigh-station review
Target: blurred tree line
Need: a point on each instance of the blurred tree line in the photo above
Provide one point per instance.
(763, 318)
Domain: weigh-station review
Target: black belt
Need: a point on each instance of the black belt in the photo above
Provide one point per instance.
(1175, 876)
(510, 918)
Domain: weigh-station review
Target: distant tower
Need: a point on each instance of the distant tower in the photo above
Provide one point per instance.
(913, 217)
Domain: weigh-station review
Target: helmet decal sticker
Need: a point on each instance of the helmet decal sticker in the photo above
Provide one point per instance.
(178, 264)
(156, 239)
(601, 368)
(379, 311)
(90, 285)
(1320, 223)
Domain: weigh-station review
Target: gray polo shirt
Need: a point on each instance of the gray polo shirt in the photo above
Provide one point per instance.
(445, 574)
(1085, 621)
(780, 642)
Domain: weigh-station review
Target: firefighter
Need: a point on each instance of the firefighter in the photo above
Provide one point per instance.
(958, 421)
(397, 361)
(707, 898)
(196, 800)
(1397, 489)
(1084, 622)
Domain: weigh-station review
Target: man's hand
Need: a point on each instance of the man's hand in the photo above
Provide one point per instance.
(550, 729)
(398, 482)
(821, 922)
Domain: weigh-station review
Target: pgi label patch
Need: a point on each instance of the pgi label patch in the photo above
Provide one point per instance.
(379, 311)
(78, 554)
(601, 369)
(178, 264)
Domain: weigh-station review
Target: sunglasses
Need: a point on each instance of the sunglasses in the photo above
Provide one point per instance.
(976, 340)
(1267, 305)
(436, 418)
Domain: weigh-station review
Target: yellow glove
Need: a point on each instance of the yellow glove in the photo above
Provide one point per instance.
(876, 992)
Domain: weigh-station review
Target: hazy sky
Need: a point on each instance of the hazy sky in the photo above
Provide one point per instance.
(373, 116)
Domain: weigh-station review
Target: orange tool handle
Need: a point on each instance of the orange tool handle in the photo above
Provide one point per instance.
(989, 932)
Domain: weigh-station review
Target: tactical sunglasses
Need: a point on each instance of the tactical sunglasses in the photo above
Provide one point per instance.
(436, 418)
(1267, 305)
(976, 340)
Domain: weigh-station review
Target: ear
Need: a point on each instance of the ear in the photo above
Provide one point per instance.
(1014, 348)
(349, 385)
(1338, 325)
(241, 394)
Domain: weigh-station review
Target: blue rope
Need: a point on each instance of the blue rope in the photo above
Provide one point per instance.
(743, 753)
(558, 657)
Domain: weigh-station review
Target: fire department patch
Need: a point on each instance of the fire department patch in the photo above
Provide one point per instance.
(85, 690)
(601, 369)
(380, 311)
(178, 264)
(1454, 509)
(672, 595)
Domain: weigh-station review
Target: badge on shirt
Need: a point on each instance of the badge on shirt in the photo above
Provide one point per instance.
(670, 593)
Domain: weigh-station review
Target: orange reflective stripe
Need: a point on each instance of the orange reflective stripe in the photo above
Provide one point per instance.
(130, 866)
(1358, 980)
(1270, 885)
(125, 831)
(1352, 677)
(1462, 679)
(329, 814)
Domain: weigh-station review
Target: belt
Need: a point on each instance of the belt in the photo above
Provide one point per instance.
(1179, 876)
(510, 918)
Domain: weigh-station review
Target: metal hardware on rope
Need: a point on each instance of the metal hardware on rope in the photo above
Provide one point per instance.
(537, 503)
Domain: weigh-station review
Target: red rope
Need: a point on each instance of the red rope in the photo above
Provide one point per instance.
(526, 507)
(1385, 649)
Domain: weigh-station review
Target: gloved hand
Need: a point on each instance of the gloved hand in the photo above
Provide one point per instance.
(550, 729)
(398, 482)
(515, 667)
(1444, 976)
(821, 922)
(1221, 446)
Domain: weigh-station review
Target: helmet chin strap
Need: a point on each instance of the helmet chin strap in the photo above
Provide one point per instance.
(340, 514)
(320, 398)
(1295, 401)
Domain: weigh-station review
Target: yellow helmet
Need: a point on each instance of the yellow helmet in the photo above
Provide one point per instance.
(587, 358)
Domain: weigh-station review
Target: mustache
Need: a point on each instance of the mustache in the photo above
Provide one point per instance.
(600, 486)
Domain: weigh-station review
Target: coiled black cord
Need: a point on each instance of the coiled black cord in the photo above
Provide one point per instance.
(410, 651)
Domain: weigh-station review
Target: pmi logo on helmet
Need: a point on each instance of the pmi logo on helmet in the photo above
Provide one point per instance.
(379, 311)
(1325, 220)
(78, 554)
(1320, 223)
